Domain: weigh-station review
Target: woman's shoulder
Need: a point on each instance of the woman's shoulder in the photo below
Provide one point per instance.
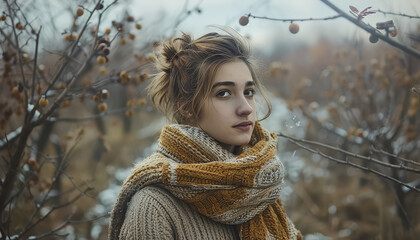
(154, 212)
(147, 215)
(154, 195)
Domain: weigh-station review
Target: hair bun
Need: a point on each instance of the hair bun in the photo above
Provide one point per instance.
(173, 48)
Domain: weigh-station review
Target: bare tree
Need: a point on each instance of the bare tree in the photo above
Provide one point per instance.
(34, 95)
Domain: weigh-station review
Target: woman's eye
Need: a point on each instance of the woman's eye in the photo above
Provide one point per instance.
(249, 92)
(223, 93)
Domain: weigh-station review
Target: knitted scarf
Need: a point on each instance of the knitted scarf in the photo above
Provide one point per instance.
(240, 190)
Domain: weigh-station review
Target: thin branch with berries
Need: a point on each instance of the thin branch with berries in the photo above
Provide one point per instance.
(373, 31)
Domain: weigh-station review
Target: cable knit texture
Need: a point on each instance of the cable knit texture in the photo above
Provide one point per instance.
(241, 190)
(154, 213)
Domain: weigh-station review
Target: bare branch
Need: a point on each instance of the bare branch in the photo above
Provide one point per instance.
(347, 153)
(299, 142)
(35, 65)
(394, 156)
(372, 30)
(295, 19)
(96, 116)
(396, 14)
(54, 208)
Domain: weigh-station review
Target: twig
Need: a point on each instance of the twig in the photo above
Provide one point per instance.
(396, 14)
(52, 210)
(35, 65)
(347, 162)
(25, 84)
(92, 117)
(372, 30)
(67, 222)
(347, 153)
(83, 29)
(295, 19)
(394, 156)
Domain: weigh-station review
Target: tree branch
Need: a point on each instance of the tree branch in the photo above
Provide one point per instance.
(301, 142)
(294, 19)
(396, 14)
(372, 30)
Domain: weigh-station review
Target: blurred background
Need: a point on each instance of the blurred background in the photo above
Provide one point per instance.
(81, 67)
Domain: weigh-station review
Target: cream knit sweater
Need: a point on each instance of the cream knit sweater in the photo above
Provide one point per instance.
(154, 213)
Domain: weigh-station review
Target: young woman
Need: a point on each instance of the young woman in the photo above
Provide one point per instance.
(215, 174)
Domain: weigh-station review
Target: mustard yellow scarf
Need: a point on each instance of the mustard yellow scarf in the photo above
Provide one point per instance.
(240, 190)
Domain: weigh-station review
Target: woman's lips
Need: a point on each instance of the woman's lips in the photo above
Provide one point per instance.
(244, 126)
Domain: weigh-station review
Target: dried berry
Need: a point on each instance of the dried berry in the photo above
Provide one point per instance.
(101, 46)
(101, 60)
(138, 26)
(244, 20)
(33, 164)
(373, 38)
(70, 37)
(359, 132)
(131, 36)
(65, 103)
(99, 6)
(19, 26)
(96, 98)
(43, 102)
(105, 51)
(15, 90)
(104, 94)
(105, 41)
(102, 107)
(122, 41)
(142, 102)
(294, 28)
(129, 19)
(125, 78)
(140, 78)
(129, 113)
(80, 12)
(3, 18)
(130, 103)
(107, 31)
(123, 74)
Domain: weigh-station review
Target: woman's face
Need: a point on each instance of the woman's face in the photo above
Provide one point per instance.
(228, 114)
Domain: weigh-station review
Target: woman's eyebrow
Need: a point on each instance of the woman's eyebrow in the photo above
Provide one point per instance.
(228, 83)
(250, 83)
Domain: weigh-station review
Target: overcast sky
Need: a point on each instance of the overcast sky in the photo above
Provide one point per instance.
(158, 18)
(268, 34)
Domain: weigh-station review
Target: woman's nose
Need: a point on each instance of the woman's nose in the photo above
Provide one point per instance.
(244, 107)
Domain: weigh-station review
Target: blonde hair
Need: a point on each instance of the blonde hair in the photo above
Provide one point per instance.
(187, 67)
